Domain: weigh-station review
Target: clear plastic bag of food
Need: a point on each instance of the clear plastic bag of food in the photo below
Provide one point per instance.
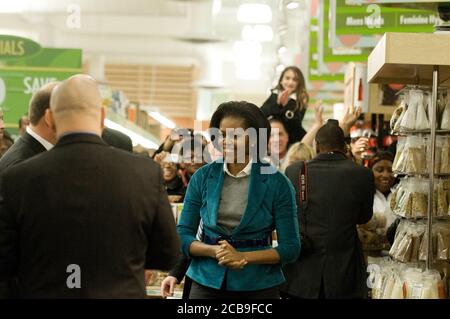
(399, 161)
(443, 242)
(397, 116)
(417, 97)
(445, 156)
(408, 121)
(445, 121)
(415, 155)
(440, 205)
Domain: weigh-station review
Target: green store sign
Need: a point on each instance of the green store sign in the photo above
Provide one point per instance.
(24, 67)
(12, 47)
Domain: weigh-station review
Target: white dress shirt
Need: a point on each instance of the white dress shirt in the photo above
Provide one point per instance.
(245, 172)
(48, 146)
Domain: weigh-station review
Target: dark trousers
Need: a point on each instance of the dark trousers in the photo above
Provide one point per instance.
(201, 292)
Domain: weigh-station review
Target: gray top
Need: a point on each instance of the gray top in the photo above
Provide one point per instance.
(233, 201)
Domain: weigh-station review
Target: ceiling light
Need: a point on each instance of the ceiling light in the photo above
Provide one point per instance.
(280, 68)
(16, 6)
(260, 33)
(254, 13)
(135, 138)
(162, 119)
(217, 6)
(282, 50)
(292, 5)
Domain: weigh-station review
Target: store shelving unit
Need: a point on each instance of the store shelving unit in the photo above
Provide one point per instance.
(417, 59)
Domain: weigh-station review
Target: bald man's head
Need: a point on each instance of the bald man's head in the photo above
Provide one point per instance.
(40, 102)
(77, 94)
(76, 105)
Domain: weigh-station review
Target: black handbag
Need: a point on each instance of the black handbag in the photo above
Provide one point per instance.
(306, 242)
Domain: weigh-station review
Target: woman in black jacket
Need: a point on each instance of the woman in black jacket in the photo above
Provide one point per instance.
(289, 100)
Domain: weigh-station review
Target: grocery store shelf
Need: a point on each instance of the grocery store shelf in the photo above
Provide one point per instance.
(409, 58)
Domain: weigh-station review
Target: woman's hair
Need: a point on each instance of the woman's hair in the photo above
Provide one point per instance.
(279, 119)
(299, 152)
(300, 93)
(249, 113)
(381, 156)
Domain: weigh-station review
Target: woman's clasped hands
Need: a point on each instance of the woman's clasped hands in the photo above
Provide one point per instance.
(229, 257)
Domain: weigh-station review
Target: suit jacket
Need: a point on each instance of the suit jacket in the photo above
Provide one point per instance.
(340, 196)
(25, 147)
(271, 205)
(117, 139)
(86, 204)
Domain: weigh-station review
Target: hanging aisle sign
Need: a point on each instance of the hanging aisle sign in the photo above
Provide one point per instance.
(24, 67)
(356, 25)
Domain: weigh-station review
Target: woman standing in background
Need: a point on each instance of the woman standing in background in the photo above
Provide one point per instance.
(289, 99)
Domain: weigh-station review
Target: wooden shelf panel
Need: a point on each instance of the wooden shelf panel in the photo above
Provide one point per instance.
(409, 58)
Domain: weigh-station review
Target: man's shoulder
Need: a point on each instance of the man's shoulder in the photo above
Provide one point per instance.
(18, 152)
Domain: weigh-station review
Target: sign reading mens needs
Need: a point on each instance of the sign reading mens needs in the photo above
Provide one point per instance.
(24, 67)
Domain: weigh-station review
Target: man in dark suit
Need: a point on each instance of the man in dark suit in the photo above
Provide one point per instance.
(339, 196)
(83, 220)
(39, 136)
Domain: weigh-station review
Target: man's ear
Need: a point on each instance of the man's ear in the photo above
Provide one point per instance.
(49, 120)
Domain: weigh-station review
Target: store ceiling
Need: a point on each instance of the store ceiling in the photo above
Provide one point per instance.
(149, 32)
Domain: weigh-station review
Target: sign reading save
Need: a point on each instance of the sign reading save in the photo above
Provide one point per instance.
(12, 47)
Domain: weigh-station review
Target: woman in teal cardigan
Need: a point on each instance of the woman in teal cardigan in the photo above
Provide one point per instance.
(240, 201)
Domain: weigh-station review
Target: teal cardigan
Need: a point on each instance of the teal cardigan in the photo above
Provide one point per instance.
(271, 205)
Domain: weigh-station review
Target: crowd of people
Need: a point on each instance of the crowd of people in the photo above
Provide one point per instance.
(283, 212)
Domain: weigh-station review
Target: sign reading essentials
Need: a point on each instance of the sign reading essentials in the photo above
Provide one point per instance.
(12, 47)
(24, 68)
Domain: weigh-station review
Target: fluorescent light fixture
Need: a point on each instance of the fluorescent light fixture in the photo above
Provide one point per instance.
(280, 68)
(162, 119)
(292, 5)
(260, 33)
(254, 13)
(217, 6)
(247, 59)
(135, 138)
(16, 6)
(282, 50)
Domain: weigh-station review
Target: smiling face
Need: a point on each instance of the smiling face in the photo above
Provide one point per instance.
(169, 171)
(234, 140)
(289, 81)
(279, 139)
(384, 179)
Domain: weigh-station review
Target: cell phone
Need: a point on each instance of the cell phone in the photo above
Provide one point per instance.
(172, 158)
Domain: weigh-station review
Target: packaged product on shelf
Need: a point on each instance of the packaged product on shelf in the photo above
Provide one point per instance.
(408, 241)
(440, 209)
(394, 193)
(419, 190)
(399, 162)
(442, 233)
(414, 156)
(445, 122)
(417, 97)
(445, 156)
(411, 198)
(409, 119)
(440, 140)
(397, 116)
(393, 280)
